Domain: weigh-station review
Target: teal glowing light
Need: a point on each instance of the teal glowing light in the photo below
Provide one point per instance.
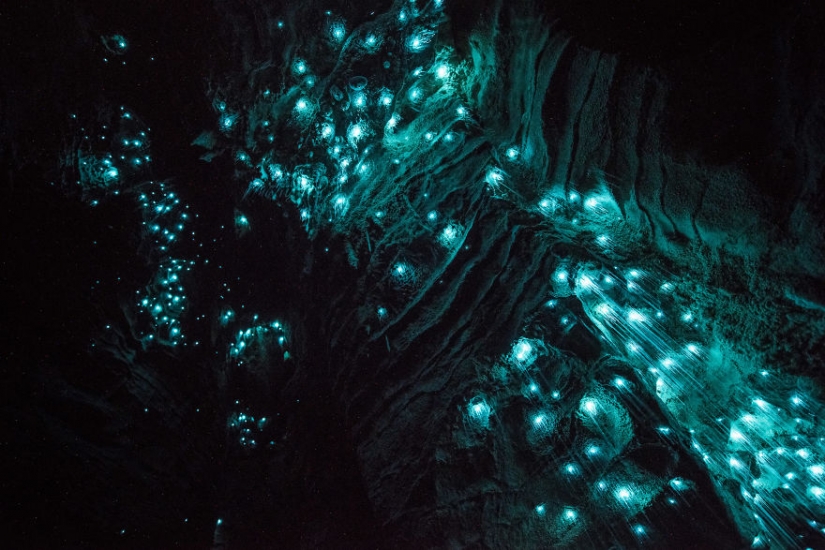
(241, 221)
(228, 121)
(442, 71)
(337, 31)
(419, 40)
(478, 412)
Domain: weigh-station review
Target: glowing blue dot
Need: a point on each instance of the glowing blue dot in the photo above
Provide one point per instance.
(337, 31)
(623, 493)
(572, 469)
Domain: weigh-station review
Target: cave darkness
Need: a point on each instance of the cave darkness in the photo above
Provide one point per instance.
(704, 125)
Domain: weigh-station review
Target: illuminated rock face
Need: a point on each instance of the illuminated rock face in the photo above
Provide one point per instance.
(441, 277)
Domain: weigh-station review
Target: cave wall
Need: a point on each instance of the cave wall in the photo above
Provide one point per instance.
(715, 153)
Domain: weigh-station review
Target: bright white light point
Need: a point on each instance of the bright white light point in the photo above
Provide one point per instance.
(355, 132)
(619, 382)
(429, 136)
(736, 435)
(635, 316)
(302, 104)
(633, 274)
(603, 309)
(817, 492)
(556, 394)
(512, 153)
(477, 408)
(639, 529)
(817, 470)
(443, 71)
(538, 420)
(571, 469)
(522, 351)
(590, 406)
(663, 429)
(560, 276)
(494, 176)
(570, 514)
(432, 216)
(592, 450)
(340, 202)
(603, 240)
(796, 400)
(623, 493)
(804, 454)
(633, 347)
(762, 404)
(586, 282)
(692, 348)
(540, 509)
(735, 463)
(573, 196)
(461, 111)
(591, 203)
(534, 388)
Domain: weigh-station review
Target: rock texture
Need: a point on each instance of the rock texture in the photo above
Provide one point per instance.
(710, 134)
